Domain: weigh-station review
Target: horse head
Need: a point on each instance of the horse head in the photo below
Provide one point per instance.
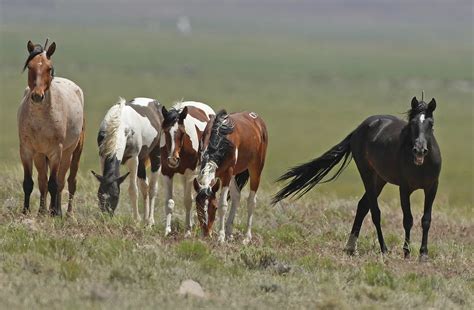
(40, 69)
(206, 205)
(174, 133)
(420, 123)
(109, 191)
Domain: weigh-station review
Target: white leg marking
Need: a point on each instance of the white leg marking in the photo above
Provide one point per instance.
(153, 191)
(251, 202)
(221, 210)
(235, 198)
(144, 188)
(132, 164)
(188, 200)
(169, 202)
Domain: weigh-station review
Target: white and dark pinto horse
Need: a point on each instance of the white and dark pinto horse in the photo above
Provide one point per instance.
(182, 130)
(235, 147)
(130, 134)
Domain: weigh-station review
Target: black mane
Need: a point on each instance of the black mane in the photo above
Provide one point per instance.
(422, 107)
(170, 118)
(36, 51)
(219, 144)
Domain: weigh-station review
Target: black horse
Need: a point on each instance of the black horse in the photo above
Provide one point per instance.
(385, 149)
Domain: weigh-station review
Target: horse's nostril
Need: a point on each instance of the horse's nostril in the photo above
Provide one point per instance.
(425, 151)
(414, 150)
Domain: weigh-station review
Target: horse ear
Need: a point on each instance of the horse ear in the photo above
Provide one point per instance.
(216, 186)
(98, 176)
(183, 115)
(30, 46)
(122, 178)
(414, 103)
(51, 50)
(164, 111)
(432, 105)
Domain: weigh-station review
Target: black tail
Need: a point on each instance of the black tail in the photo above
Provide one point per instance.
(307, 175)
(241, 179)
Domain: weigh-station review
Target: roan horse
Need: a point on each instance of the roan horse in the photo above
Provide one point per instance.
(234, 149)
(129, 134)
(51, 130)
(182, 130)
(385, 149)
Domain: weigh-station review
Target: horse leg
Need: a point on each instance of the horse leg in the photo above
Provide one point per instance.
(251, 202)
(153, 188)
(64, 165)
(222, 206)
(188, 201)
(53, 182)
(132, 165)
(363, 208)
(72, 178)
(169, 202)
(430, 195)
(235, 198)
(144, 188)
(42, 168)
(407, 218)
(27, 162)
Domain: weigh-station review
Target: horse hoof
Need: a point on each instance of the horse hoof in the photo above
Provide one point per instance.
(406, 254)
(246, 241)
(221, 239)
(187, 234)
(230, 237)
(350, 251)
(167, 231)
(424, 258)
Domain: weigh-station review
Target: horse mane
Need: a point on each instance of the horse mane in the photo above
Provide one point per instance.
(112, 121)
(36, 51)
(219, 144)
(422, 107)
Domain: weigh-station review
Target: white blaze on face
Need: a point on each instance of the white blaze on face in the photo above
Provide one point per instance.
(207, 174)
(422, 118)
(173, 131)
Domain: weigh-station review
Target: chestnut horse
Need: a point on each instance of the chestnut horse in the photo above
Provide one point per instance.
(182, 126)
(386, 149)
(234, 147)
(51, 130)
(129, 134)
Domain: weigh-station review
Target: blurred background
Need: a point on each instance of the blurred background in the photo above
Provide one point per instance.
(312, 69)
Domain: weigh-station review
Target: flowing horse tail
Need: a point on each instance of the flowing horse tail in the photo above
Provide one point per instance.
(306, 176)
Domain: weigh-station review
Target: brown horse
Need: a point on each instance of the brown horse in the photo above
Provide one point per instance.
(182, 130)
(234, 147)
(51, 130)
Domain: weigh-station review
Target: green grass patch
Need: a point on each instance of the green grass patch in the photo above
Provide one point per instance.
(192, 250)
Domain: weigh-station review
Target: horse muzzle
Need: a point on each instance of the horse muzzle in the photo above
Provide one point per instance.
(37, 97)
(419, 155)
(173, 162)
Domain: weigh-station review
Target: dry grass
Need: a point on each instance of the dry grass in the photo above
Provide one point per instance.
(295, 259)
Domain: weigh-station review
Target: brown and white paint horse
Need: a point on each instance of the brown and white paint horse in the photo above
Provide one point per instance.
(129, 135)
(51, 130)
(182, 126)
(234, 146)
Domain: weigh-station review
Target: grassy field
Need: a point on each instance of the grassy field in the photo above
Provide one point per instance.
(313, 80)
